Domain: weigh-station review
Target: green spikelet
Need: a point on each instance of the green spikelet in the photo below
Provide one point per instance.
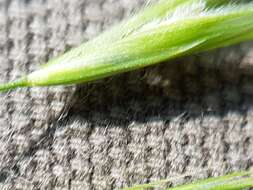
(160, 32)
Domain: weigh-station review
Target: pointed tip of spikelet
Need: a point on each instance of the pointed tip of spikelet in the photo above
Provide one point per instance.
(14, 84)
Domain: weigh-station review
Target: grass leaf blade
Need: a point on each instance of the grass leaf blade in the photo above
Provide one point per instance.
(234, 181)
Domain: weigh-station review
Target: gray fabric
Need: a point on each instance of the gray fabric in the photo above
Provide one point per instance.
(192, 113)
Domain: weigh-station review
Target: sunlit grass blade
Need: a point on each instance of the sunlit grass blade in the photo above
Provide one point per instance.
(234, 181)
(163, 31)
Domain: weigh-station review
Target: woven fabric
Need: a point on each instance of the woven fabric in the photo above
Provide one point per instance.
(177, 117)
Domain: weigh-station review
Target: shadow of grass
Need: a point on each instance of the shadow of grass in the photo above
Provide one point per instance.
(183, 87)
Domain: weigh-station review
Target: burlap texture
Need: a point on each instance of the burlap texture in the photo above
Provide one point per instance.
(192, 113)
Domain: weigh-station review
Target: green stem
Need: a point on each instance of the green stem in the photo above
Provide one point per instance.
(14, 84)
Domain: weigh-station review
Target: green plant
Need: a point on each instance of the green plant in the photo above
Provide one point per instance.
(163, 31)
(234, 181)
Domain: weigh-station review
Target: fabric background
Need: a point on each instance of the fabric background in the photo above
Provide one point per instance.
(177, 117)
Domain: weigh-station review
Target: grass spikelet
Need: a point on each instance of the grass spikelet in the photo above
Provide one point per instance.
(162, 31)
